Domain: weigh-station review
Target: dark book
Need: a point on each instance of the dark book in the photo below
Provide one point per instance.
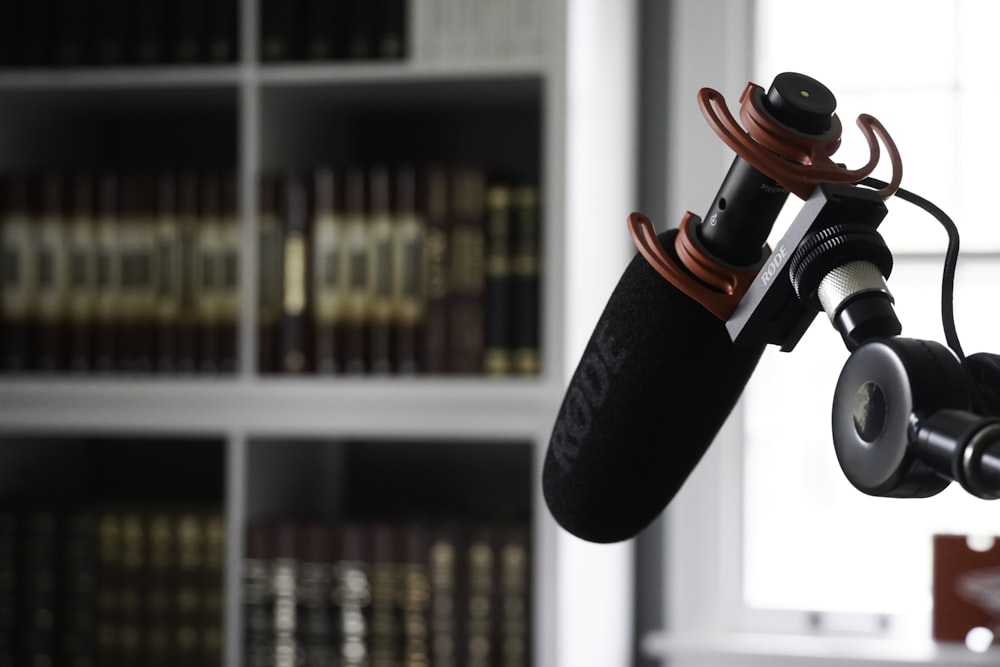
(110, 32)
(480, 602)
(221, 31)
(18, 259)
(284, 584)
(208, 271)
(213, 589)
(108, 309)
(361, 32)
(137, 287)
(513, 638)
(258, 595)
(317, 632)
(409, 291)
(434, 207)
(37, 570)
(187, 34)
(386, 619)
(8, 33)
(132, 622)
(352, 594)
(189, 590)
(279, 30)
(9, 519)
(445, 572)
(52, 282)
(168, 278)
(71, 36)
(111, 583)
(415, 593)
(188, 220)
(356, 339)
(148, 22)
(467, 270)
(381, 305)
(294, 345)
(497, 353)
(525, 276)
(269, 273)
(391, 29)
(82, 296)
(325, 29)
(329, 283)
(229, 276)
(77, 588)
(158, 606)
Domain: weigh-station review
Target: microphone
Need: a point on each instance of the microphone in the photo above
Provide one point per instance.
(661, 371)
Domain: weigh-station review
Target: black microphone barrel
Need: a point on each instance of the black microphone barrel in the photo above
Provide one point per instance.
(656, 382)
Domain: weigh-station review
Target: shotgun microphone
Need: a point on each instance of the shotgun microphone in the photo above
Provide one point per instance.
(662, 370)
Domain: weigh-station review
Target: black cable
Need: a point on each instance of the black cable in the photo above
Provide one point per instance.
(950, 262)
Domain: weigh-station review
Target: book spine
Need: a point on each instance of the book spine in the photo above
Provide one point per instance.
(409, 289)
(258, 595)
(386, 631)
(19, 297)
(352, 595)
(315, 613)
(415, 595)
(188, 187)
(82, 274)
(9, 546)
(207, 273)
(108, 274)
(168, 273)
(188, 34)
(480, 604)
(526, 269)
(434, 196)
(212, 587)
(381, 311)
(109, 602)
(466, 318)
(356, 321)
(361, 30)
(497, 357)
(221, 31)
(189, 589)
(514, 609)
(269, 273)
(136, 238)
(329, 284)
(53, 277)
(70, 45)
(110, 32)
(158, 598)
(444, 573)
(294, 354)
(285, 592)
(76, 626)
(229, 276)
(131, 619)
(279, 30)
(324, 26)
(36, 590)
(145, 274)
(391, 28)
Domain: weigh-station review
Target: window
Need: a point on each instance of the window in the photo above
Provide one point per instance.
(927, 70)
(772, 557)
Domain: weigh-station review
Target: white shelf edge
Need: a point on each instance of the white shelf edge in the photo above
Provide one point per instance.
(375, 72)
(101, 78)
(739, 648)
(475, 408)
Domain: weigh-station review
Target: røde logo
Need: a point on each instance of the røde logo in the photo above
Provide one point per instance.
(773, 265)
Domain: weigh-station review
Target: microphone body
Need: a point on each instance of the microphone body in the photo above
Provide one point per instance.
(657, 380)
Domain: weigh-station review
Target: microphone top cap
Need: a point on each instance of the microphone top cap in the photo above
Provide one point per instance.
(801, 102)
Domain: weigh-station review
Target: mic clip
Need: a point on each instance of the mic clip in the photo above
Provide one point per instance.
(717, 286)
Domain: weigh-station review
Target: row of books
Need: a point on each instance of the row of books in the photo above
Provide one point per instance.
(119, 272)
(331, 592)
(379, 270)
(115, 586)
(74, 33)
(324, 30)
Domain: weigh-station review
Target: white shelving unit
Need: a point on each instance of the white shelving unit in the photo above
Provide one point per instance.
(253, 116)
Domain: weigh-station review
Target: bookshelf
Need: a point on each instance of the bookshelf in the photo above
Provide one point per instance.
(258, 445)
